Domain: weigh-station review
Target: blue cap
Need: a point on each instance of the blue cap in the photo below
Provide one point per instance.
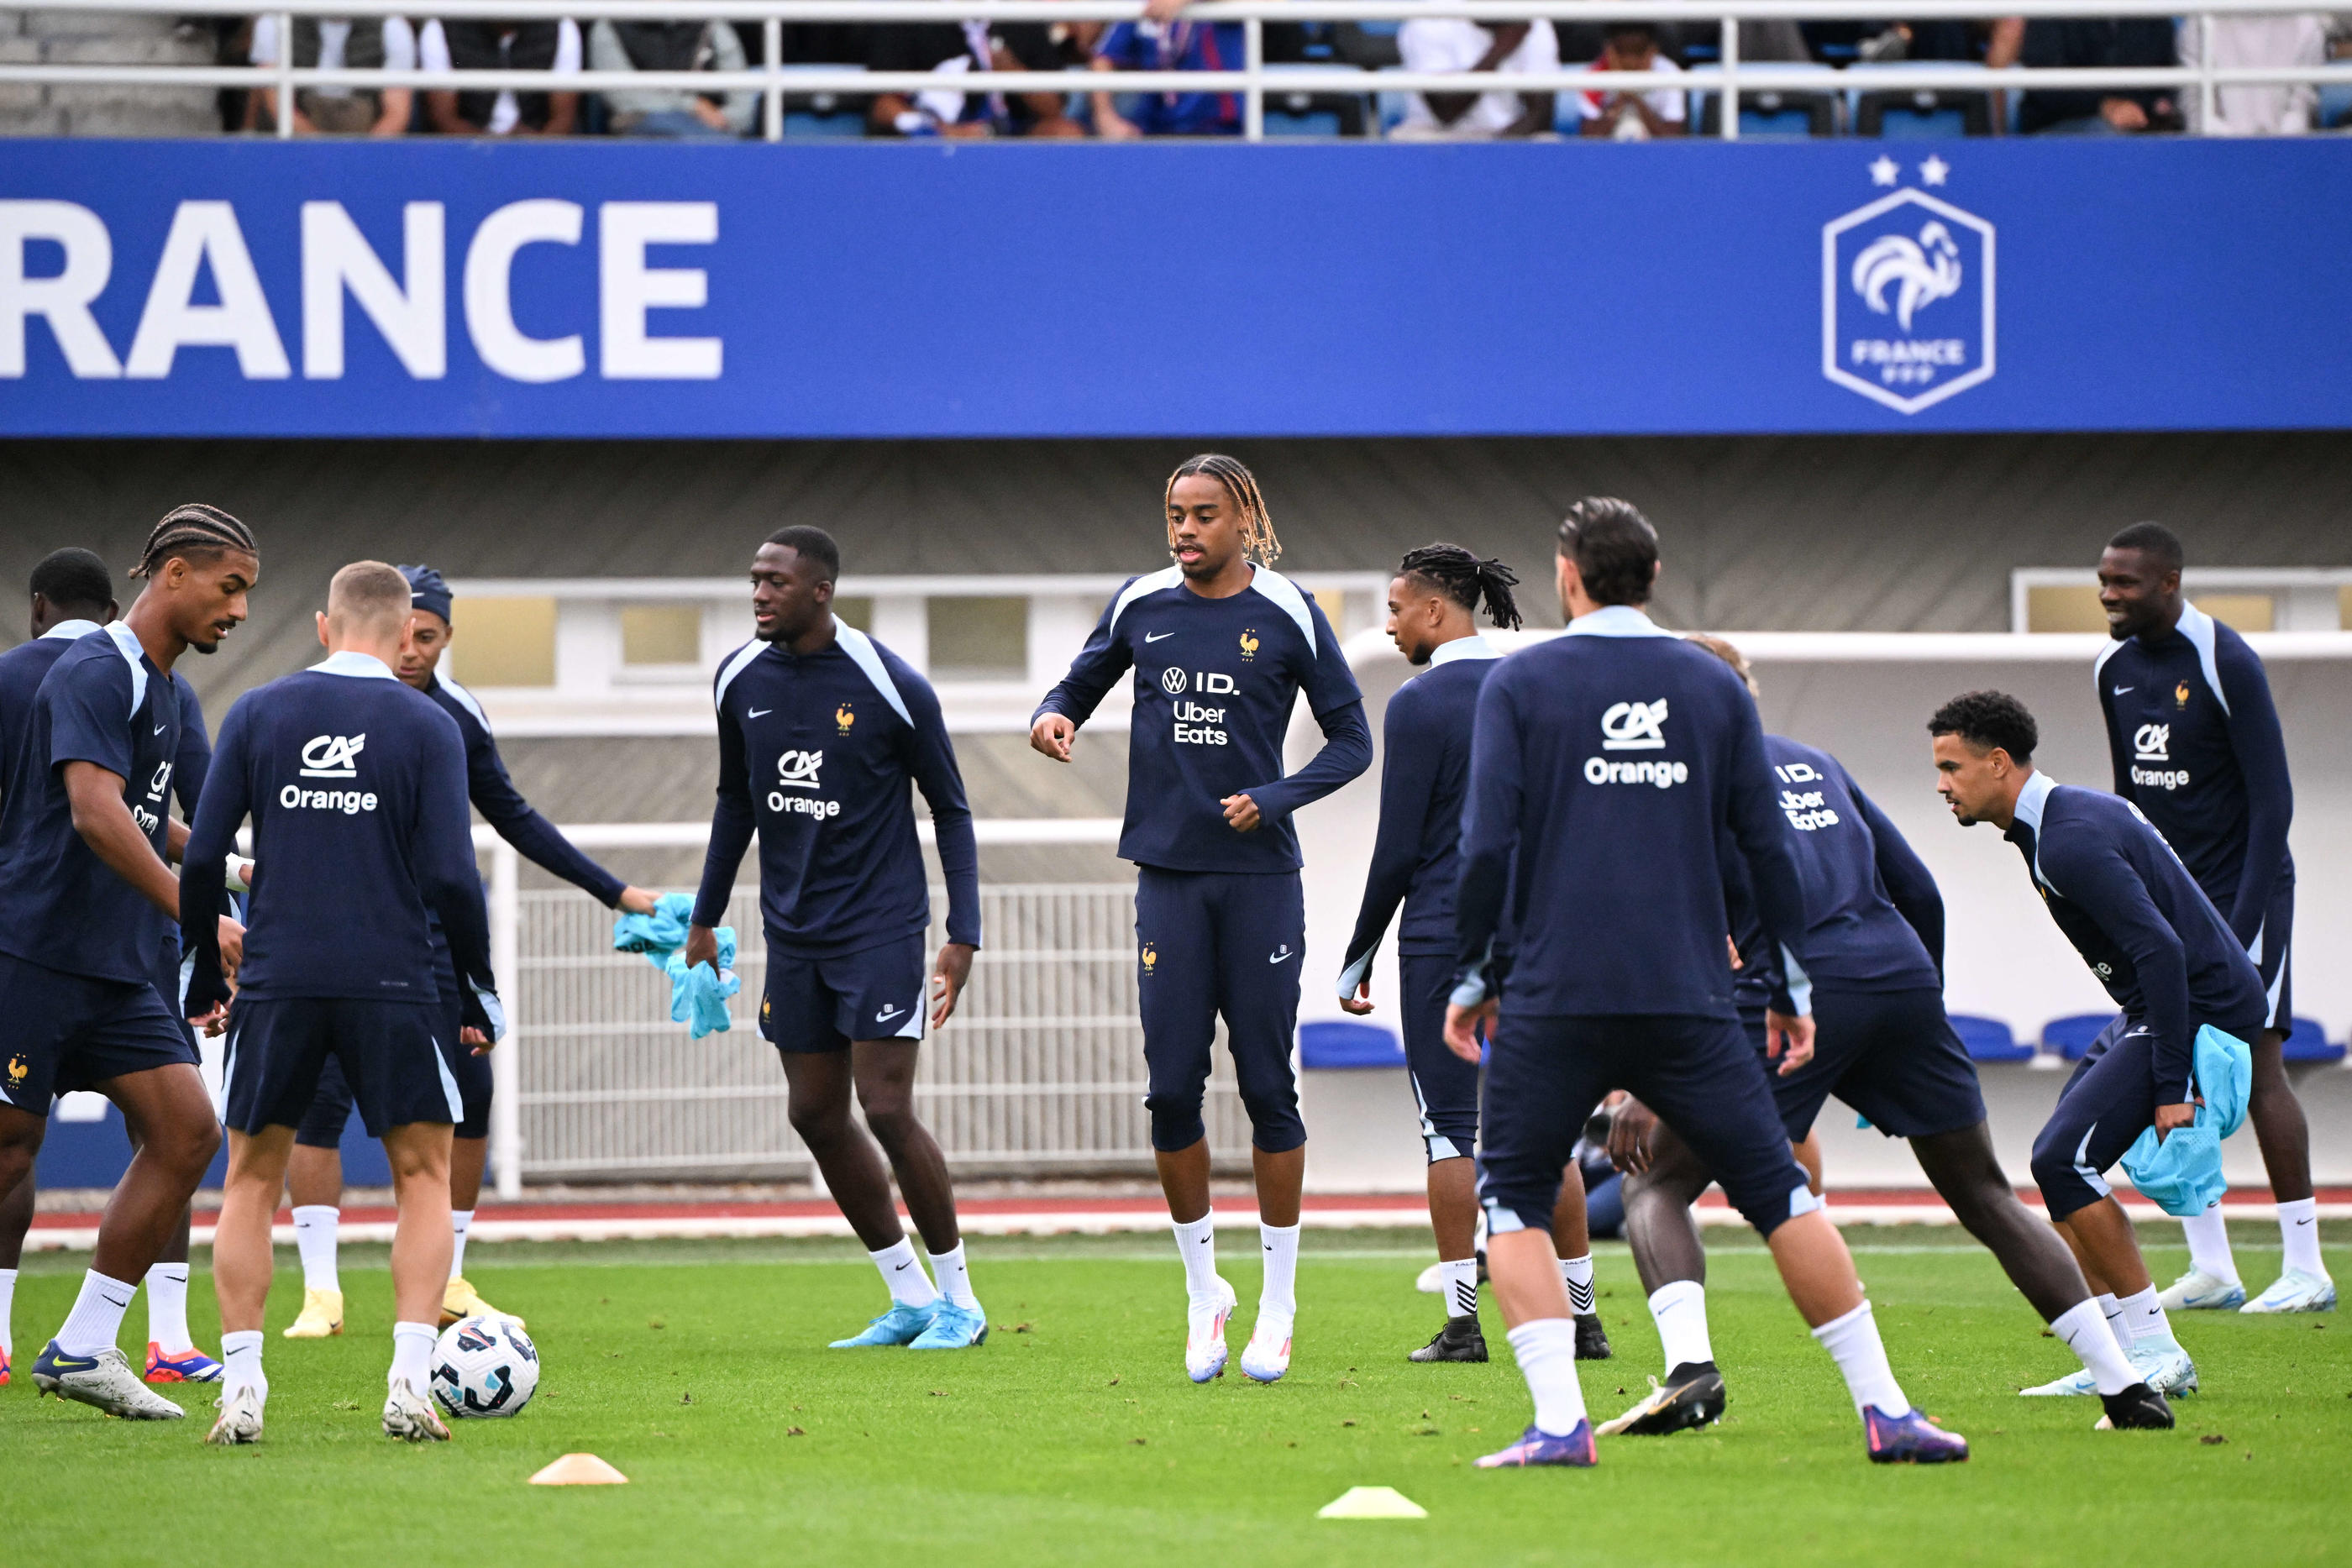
(426, 590)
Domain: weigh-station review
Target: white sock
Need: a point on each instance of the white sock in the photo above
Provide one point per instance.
(2085, 1329)
(412, 1355)
(241, 1357)
(2113, 1311)
(910, 1286)
(167, 1309)
(2209, 1245)
(1577, 1274)
(2144, 1321)
(7, 1305)
(1278, 1298)
(2299, 1230)
(1679, 1309)
(1458, 1281)
(314, 1234)
(954, 1277)
(1853, 1342)
(460, 1221)
(95, 1321)
(1196, 1243)
(1546, 1350)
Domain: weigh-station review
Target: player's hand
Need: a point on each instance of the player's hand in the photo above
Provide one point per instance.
(638, 900)
(1735, 961)
(702, 947)
(1789, 1039)
(1053, 735)
(210, 1023)
(481, 1042)
(2168, 1117)
(1463, 1026)
(1361, 1002)
(1631, 1124)
(232, 946)
(948, 978)
(1241, 813)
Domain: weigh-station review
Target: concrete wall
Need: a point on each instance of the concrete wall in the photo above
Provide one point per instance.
(2004, 957)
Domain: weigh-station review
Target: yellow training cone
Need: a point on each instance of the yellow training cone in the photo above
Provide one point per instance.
(588, 1471)
(1371, 1503)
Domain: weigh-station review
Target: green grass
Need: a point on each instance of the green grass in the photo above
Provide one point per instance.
(1072, 1436)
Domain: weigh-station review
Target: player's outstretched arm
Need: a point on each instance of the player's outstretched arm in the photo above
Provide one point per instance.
(1909, 884)
(1347, 752)
(493, 793)
(1408, 779)
(732, 823)
(1054, 728)
(2096, 878)
(447, 877)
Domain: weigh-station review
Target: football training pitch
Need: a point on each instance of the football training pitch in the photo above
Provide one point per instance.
(700, 1370)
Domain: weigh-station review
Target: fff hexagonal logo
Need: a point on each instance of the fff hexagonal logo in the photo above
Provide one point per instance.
(1907, 300)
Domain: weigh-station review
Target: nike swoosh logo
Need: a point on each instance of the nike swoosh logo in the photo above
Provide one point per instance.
(159, 729)
(2302, 1222)
(758, 712)
(2121, 690)
(897, 1268)
(886, 1014)
(1157, 636)
(1280, 958)
(110, 1301)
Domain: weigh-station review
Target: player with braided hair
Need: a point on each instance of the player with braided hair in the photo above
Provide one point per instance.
(1221, 647)
(197, 534)
(1425, 764)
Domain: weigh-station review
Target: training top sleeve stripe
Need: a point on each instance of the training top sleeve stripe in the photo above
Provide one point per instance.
(861, 652)
(127, 641)
(1287, 598)
(737, 663)
(2198, 627)
(465, 700)
(1148, 583)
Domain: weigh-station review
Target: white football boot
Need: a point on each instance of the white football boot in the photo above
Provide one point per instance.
(2198, 1291)
(104, 1381)
(410, 1415)
(1267, 1355)
(2295, 1291)
(1204, 1335)
(240, 1417)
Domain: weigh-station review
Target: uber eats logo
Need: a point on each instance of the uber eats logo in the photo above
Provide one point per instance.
(1634, 727)
(1808, 810)
(149, 821)
(1197, 723)
(330, 757)
(2153, 743)
(797, 770)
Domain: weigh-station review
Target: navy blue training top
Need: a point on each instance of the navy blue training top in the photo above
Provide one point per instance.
(1612, 758)
(2196, 746)
(815, 751)
(1424, 770)
(102, 701)
(2130, 907)
(356, 786)
(1215, 680)
(1877, 918)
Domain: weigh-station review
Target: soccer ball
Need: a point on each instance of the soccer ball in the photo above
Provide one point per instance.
(484, 1366)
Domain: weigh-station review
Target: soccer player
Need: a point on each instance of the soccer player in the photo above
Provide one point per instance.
(1606, 767)
(820, 729)
(356, 786)
(2165, 955)
(1432, 604)
(1873, 955)
(2196, 746)
(84, 892)
(73, 595)
(1221, 646)
(314, 1176)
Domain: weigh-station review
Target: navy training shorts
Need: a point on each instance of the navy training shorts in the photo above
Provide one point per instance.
(321, 1127)
(1444, 1086)
(60, 1033)
(814, 1005)
(389, 1054)
(2107, 1104)
(1891, 1055)
(1210, 944)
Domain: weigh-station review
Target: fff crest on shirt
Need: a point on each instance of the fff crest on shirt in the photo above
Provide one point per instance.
(1249, 642)
(2180, 695)
(842, 717)
(1151, 957)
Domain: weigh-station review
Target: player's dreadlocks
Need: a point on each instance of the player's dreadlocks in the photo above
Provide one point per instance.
(1258, 542)
(1465, 579)
(194, 532)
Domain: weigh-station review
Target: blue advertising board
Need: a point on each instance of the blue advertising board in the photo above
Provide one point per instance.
(431, 288)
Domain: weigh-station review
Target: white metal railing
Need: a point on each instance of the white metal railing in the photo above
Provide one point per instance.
(776, 81)
(1042, 1066)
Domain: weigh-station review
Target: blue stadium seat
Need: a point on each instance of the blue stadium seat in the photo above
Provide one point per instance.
(821, 115)
(2070, 1037)
(1328, 1044)
(1314, 100)
(1922, 115)
(2334, 103)
(2306, 1042)
(1990, 1040)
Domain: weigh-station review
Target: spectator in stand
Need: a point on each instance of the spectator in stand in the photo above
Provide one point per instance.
(956, 51)
(1163, 41)
(550, 47)
(2255, 109)
(2086, 41)
(1455, 44)
(328, 43)
(672, 47)
(1631, 116)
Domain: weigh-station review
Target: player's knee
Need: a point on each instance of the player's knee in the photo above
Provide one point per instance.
(184, 1149)
(819, 1126)
(2054, 1160)
(891, 1118)
(1175, 1122)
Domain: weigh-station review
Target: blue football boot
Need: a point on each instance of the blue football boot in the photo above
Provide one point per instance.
(1536, 1446)
(1909, 1440)
(953, 1328)
(902, 1324)
(187, 1366)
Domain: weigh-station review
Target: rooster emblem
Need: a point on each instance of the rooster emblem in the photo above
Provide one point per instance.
(17, 1070)
(2180, 695)
(1249, 644)
(1150, 958)
(1922, 271)
(844, 715)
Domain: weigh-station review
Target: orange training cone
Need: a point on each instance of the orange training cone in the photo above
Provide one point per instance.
(579, 1470)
